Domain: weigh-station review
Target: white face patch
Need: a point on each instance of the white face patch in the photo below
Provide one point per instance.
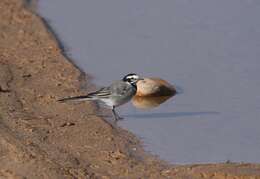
(133, 77)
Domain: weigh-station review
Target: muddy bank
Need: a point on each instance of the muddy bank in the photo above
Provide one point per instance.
(41, 138)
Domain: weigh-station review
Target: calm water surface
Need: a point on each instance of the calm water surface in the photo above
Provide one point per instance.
(210, 49)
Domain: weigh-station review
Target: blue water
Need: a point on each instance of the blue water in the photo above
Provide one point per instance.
(210, 49)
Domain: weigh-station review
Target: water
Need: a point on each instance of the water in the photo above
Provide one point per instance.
(210, 49)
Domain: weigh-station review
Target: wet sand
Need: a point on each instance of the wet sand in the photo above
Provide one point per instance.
(41, 138)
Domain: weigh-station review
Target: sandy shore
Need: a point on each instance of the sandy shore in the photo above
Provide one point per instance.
(40, 138)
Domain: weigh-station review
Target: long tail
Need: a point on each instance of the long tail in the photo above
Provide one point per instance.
(76, 98)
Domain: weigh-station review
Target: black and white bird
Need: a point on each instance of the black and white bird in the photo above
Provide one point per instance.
(118, 93)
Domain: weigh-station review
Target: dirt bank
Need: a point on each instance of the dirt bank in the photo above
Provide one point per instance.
(40, 138)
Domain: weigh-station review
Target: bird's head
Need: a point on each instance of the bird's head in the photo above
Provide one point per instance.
(132, 78)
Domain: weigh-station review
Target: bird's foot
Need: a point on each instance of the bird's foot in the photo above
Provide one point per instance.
(116, 116)
(119, 118)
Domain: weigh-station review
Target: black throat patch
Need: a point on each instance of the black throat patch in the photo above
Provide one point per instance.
(134, 85)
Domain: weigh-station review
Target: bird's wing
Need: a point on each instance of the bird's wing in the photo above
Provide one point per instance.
(120, 88)
(101, 93)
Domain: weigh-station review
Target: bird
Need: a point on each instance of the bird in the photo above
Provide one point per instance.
(117, 94)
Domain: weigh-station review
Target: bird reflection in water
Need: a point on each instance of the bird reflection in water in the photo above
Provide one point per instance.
(155, 101)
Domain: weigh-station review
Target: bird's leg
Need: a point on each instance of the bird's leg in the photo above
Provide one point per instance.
(116, 116)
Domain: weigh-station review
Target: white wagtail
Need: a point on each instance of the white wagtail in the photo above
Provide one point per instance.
(118, 93)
